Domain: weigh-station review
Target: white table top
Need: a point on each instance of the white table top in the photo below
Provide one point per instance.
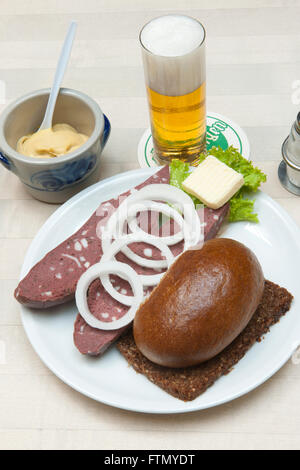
(252, 72)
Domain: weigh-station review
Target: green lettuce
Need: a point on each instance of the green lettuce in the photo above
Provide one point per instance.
(241, 207)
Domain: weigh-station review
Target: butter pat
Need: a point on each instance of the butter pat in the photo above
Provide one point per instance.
(213, 182)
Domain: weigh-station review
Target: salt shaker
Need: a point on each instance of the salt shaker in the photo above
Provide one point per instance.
(289, 168)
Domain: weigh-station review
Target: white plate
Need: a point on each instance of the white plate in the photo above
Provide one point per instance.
(108, 379)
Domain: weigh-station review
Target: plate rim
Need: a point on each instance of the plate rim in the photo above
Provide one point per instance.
(145, 172)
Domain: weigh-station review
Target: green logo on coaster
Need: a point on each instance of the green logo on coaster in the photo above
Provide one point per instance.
(215, 135)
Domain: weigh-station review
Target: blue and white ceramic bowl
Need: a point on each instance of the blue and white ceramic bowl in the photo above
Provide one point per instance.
(54, 179)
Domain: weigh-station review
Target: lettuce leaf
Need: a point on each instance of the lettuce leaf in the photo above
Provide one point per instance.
(179, 171)
(241, 207)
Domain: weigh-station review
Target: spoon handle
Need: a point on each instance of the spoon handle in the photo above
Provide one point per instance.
(59, 74)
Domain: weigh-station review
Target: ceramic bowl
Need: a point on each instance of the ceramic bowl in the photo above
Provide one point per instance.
(54, 180)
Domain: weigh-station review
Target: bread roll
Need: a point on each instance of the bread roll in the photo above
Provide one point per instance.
(201, 305)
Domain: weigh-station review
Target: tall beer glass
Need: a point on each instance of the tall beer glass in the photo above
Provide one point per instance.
(173, 51)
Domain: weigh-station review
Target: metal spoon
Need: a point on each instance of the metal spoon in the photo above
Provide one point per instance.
(59, 73)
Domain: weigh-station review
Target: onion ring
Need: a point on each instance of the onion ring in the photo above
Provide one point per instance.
(168, 240)
(93, 273)
(161, 192)
(146, 280)
(156, 207)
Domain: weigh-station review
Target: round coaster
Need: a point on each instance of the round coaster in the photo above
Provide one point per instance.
(220, 132)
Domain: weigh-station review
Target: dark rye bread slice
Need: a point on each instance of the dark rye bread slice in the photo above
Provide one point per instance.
(188, 383)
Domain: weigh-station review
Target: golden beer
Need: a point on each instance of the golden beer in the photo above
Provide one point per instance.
(174, 65)
(178, 124)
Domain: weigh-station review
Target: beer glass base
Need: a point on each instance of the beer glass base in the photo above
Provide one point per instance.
(188, 154)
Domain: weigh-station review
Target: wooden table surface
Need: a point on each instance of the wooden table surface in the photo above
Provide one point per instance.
(253, 74)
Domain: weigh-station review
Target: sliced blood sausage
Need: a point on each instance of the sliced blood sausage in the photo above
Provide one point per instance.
(52, 281)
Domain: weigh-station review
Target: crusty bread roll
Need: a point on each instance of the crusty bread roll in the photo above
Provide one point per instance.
(201, 305)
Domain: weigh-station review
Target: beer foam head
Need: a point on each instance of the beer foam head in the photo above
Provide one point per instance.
(172, 35)
(173, 54)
